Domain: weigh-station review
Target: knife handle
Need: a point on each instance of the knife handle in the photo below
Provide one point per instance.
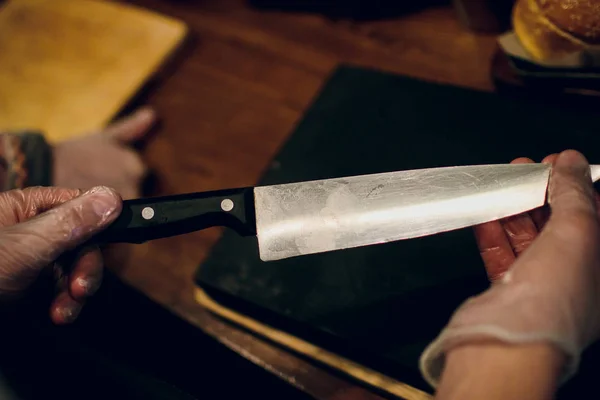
(152, 218)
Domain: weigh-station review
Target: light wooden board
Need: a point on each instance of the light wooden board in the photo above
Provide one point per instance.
(349, 367)
(68, 66)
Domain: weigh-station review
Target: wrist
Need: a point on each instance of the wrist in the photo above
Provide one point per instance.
(514, 314)
(495, 370)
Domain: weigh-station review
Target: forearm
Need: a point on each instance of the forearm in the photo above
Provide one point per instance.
(501, 371)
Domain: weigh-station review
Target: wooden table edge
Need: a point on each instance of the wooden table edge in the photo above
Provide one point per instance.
(349, 367)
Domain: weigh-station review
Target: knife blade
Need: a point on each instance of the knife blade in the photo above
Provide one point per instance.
(317, 216)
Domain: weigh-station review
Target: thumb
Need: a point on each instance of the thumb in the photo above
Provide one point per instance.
(571, 191)
(133, 127)
(65, 227)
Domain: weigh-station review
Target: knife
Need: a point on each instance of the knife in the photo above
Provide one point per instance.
(318, 216)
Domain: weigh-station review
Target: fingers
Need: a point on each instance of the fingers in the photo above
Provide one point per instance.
(26, 248)
(133, 127)
(132, 175)
(86, 275)
(130, 192)
(500, 242)
(77, 277)
(520, 229)
(494, 248)
(540, 215)
(40, 240)
(19, 205)
(571, 192)
(64, 309)
(549, 159)
(134, 166)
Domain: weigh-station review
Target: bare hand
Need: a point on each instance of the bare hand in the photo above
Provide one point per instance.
(37, 226)
(105, 158)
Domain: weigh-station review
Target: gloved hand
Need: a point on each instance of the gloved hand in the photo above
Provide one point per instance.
(551, 290)
(38, 226)
(105, 158)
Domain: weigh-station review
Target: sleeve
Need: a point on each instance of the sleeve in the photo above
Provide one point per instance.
(25, 160)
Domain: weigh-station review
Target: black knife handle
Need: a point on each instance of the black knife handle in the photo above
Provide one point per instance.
(152, 218)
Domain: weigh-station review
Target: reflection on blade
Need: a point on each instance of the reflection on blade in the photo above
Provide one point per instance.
(317, 216)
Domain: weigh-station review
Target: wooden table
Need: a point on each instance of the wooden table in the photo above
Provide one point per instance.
(233, 98)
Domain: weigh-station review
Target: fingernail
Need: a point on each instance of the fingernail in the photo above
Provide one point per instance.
(89, 285)
(104, 201)
(69, 313)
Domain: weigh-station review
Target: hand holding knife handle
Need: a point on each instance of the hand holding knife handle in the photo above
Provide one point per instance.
(152, 218)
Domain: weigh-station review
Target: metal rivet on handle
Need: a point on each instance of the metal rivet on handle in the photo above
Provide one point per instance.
(227, 205)
(148, 213)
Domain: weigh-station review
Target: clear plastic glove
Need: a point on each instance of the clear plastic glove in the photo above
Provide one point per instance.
(105, 158)
(38, 226)
(551, 289)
